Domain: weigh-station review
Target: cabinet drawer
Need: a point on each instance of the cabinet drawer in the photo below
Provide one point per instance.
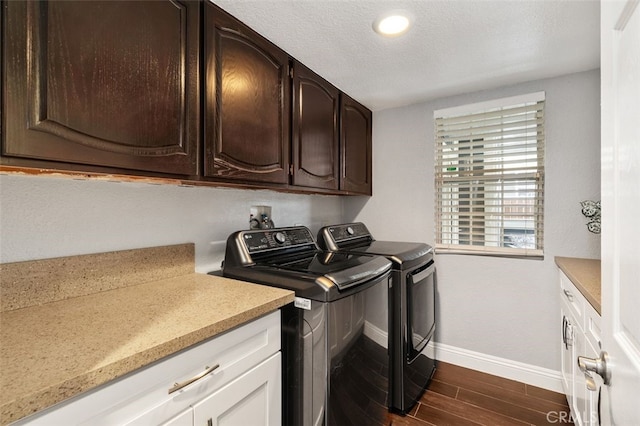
(592, 327)
(143, 397)
(575, 301)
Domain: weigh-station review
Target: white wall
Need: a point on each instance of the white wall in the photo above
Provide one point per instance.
(43, 217)
(507, 308)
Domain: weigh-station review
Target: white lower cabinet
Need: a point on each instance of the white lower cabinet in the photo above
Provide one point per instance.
(580, 336)
(251, 399)
(231, 379)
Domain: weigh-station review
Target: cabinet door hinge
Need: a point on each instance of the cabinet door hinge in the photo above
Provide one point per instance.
(290, 169)
(290, 71)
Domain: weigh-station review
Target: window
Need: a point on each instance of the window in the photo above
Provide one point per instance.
(489, 177)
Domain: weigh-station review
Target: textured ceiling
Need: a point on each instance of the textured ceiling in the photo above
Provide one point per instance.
(453, 47)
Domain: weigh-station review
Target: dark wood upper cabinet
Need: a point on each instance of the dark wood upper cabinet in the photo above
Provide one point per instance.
(106, 83)
(171, 88)
(315, 141)
(247, 110)
(355, 139)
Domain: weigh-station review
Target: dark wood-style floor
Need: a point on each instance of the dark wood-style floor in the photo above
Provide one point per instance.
(459, 396)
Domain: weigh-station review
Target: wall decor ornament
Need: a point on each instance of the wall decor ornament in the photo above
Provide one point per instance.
(591, 210)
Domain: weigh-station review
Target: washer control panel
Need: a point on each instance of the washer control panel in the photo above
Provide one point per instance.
(270, 239)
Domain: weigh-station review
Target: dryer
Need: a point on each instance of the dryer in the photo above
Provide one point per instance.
(409, 309)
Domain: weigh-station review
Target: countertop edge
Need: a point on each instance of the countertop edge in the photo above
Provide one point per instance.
(575, 269)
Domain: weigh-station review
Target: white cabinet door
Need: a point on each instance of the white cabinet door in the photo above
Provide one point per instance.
(252, 399)
(183, 419)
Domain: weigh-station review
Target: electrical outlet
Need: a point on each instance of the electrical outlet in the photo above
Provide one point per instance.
(260, 217)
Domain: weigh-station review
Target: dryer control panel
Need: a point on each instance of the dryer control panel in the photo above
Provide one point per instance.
(336, 237)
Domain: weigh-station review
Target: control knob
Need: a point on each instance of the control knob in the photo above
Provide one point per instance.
(350, 230)
(280, 237)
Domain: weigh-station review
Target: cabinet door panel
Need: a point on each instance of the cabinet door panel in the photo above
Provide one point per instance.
(183, 419)
(252, 399)
(247, 110)
(356, 147)
(109, 83)
(315, 130)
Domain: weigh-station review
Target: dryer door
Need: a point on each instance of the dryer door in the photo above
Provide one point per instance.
(421, 321)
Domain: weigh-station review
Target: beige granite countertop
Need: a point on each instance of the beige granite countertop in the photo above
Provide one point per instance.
(585, 275)
(52, 351)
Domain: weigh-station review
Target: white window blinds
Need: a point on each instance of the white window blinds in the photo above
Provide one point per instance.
(489, 177)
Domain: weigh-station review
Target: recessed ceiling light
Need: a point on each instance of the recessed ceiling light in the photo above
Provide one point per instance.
(392, 24)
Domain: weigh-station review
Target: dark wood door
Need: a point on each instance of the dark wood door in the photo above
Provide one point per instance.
(315, 130)
(107, 83)
(247, 111)
(355, 139)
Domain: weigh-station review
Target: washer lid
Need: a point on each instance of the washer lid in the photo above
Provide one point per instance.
(343, 270)
(355, 238)
(289, 258)
(404, 254)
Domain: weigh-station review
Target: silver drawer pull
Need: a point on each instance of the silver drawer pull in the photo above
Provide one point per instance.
(569, 295)
(178, 386)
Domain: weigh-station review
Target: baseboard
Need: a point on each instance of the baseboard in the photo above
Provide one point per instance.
(376, 334)
(502, 367)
